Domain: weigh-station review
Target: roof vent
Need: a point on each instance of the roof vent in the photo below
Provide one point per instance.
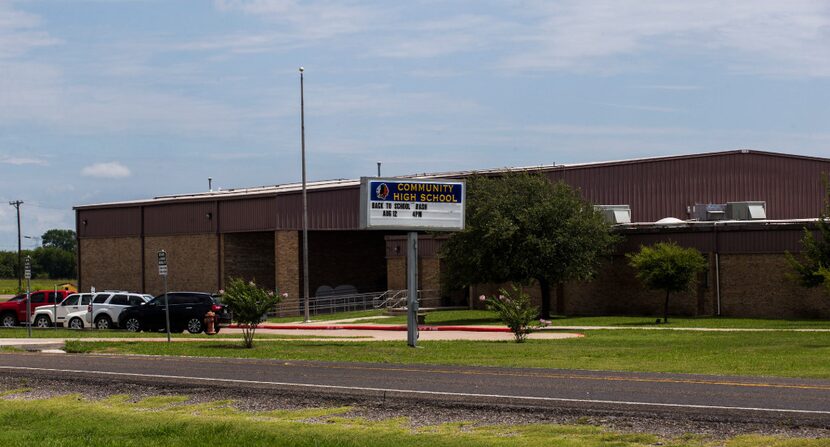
(615, 214)
(755, 210)
(709, 211)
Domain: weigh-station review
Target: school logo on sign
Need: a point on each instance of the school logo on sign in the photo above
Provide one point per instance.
(382, 191)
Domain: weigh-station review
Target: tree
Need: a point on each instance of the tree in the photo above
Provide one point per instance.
(520, 228)
(249, 304)
(816, 256)
(61, 239)
(55, 262)
(667, 266)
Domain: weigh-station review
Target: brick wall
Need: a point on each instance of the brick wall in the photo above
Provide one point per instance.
(756, 286)
(249, 256)
(191, 259)
(287, 265)
(111, 263)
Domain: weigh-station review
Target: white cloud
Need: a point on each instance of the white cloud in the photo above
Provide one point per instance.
(765, 36)
(19, 33)
(111, 169)
(18, 161)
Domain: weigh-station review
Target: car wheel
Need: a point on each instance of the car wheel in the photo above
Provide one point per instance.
(132, 325)
(103, 322)
(216, 329)
(194, 325)
(76, 323)
(42, 321)
(9, 319)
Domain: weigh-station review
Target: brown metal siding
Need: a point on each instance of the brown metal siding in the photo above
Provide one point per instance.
(327, 210)
(664, 188)
(109, 222)
(259, 214)
(180, 218)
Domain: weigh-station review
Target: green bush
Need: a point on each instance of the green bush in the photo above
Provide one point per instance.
(249, 303)
(514, 310)
(667, 266)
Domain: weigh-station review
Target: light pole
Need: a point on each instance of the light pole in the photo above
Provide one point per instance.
(17, 204)
(305, 204)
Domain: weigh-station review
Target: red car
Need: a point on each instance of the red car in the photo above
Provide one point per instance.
(13, 311)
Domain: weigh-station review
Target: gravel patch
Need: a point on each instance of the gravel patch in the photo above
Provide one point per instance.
(419, 413)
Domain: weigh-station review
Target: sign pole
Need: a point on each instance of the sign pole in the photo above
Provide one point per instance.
(28, 274)
(412, 283)
(55, 309)
(162, 261)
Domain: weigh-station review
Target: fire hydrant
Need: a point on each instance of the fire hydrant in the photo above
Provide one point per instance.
(210, 322)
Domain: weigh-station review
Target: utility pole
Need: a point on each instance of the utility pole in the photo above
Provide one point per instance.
(306, 317)
(17, 204)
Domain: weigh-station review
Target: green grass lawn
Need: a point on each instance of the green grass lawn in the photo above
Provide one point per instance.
(484, 317)
(329, 317)
(171, 421)
(785, 354)
(9, 286)
(69, 333)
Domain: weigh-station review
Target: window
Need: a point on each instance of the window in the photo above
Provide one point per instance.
(85, 299)
(39, 297)
(53, 297)
(119, 300)
(72, 300)
(135, 300)
(100, 298)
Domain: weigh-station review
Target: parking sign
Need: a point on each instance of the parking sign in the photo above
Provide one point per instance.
(162, 263)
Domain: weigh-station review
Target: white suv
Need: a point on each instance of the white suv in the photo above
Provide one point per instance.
(44, 316)
(106, 307)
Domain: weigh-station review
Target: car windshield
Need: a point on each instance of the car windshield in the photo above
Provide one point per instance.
(17, 298)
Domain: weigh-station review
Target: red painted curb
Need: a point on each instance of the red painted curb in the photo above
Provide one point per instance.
(367, 327)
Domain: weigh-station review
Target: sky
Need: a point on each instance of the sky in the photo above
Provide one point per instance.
(119, 100)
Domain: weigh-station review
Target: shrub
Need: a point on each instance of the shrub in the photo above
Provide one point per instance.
(514, 310)
(249, 303)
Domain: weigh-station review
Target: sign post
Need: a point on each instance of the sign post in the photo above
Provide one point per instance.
(27, 273)
(55, 309)
(412, 205)
(162, 257)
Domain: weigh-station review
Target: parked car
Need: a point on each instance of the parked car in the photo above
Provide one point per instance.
(106, 307)
(187, 312)
(13, 311)
(77, 319)
(45, 316)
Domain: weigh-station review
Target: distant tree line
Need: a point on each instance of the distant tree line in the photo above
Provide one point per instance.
(54, 259)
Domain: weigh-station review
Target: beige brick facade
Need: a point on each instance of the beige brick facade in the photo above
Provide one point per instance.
(192, 263)
(287, 265)
(111, 263)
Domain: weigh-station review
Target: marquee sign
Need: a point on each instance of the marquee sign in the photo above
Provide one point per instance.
(413, 205)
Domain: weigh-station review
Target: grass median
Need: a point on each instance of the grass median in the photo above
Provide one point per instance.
(172, 421)
(81, 334)
(783, 354)
(484, 317)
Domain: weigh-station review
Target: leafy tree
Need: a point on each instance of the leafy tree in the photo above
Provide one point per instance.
(62, 239)
(667, 266)
(816, 255)
(249, 303)
(55, 262)
(521, 227)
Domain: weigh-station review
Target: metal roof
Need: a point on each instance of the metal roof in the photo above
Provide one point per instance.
(350, 183)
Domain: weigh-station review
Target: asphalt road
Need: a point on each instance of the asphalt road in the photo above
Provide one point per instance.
(722, 397)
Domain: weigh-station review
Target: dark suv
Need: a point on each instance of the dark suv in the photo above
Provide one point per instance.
(187, 311)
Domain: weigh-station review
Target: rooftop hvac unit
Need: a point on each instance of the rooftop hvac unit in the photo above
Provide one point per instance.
(746, 210)
(709, 211)
(615, 214)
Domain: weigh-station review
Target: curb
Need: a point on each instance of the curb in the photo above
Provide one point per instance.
(367, 327)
